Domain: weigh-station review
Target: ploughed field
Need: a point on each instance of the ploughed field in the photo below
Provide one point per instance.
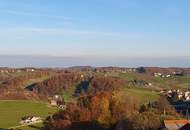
(11, 112)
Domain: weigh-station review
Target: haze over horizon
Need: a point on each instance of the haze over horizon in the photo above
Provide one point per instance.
(98, 33)
(55, 61)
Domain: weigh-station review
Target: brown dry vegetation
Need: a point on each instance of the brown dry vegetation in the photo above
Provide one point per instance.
(14, 87)
(107, 111)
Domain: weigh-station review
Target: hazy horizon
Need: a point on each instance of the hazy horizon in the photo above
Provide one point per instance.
(97, 33)
(19, 61)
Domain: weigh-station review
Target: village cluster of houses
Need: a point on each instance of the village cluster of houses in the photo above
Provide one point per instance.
(10, 70)
(162, 75)
(167, 75)
(114, 69)
(179, 94)
(30, 119)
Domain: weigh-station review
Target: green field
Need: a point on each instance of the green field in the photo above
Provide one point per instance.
(31, 127)
(159, 82)
(143, 95)
(12, 111)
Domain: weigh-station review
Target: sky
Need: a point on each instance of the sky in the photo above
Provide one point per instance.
(96, 28)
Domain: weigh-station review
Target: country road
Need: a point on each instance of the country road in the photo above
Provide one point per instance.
(19, 126)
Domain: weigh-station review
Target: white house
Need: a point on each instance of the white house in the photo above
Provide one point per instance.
(30, 119)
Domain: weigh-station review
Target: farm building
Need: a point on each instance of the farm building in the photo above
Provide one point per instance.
(177, 124)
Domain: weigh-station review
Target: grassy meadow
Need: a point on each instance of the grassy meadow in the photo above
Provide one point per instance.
(142, 95)
(11, 112)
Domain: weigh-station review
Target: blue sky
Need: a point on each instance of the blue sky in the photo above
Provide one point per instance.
(110, 28)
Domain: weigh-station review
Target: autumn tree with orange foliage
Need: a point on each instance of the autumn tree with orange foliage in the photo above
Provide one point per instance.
(104, 109)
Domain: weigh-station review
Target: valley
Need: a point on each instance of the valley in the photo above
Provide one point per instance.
(32, 91)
